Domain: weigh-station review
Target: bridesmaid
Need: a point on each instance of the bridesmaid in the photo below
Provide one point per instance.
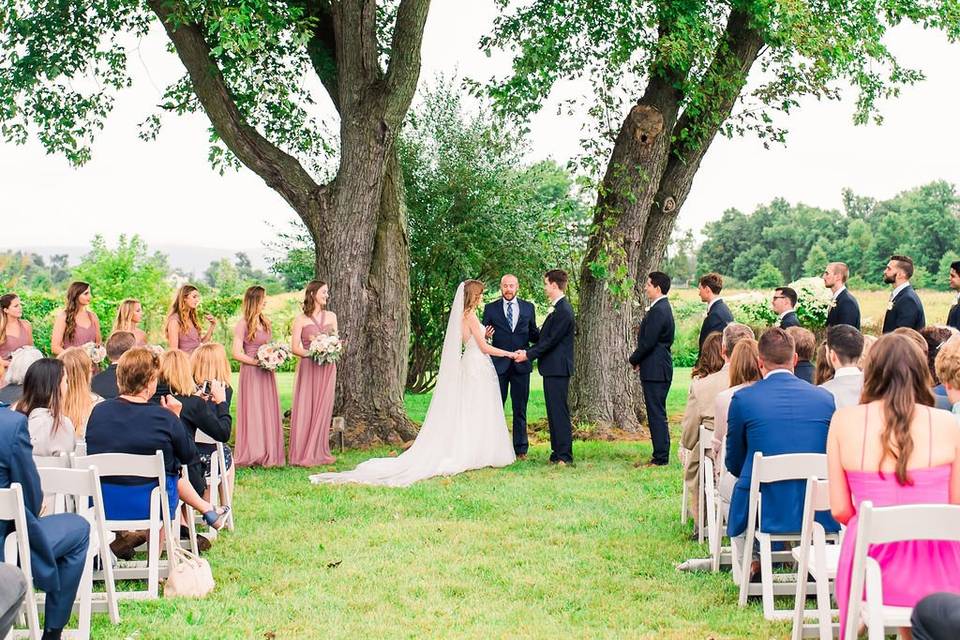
(313, 392)
(75, 325)
(259, 432)
(129, 315)
(183, 324)
(15, 332)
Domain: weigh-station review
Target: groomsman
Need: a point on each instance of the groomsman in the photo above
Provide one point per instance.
(653, 361)
(784, 301)
(953, 318)
(512, 323)
(844, 308)
(905, 308)
(718, 313)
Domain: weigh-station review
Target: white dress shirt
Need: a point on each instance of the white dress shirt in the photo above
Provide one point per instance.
(897, 291)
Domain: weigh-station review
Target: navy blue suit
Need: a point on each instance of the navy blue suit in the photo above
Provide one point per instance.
(953, 317)
(58, 543)
(778, 415)
(718, 317)
(654, 362)
(790, 320)
(514, 376)
(554, 353)
(845, 311)
(907, 312)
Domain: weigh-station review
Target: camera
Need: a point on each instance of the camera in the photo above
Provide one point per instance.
(205, 388)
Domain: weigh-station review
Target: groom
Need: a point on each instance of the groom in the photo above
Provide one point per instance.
(512, 323)
(554, 350)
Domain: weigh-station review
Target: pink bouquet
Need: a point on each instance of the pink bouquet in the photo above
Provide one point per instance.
(326, 348)
(272, 354)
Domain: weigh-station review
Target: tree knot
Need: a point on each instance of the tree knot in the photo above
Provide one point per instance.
(647, 123)
(669, 205)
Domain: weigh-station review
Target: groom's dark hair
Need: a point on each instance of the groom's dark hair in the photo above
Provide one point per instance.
(661, 281)
(557, 277)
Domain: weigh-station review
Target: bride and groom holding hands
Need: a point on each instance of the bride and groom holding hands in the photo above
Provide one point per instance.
(465, 427)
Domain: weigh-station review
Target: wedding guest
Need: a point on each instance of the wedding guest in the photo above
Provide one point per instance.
(79, 399)
(784, 302)
(259, 429)
(805, 343)
(868, 342)
(905, 308)
(183, 323)
(104, 384)
(76, 324)
(953, 316)
(935, 337)
(936, 617)
(44, 388)
(210, 364)
(13, 590)
(895, 449)
(58, 543)
(711, 357)
(948, 370)
(756, 423)
(313, 392)
(718, 313)
(824, 370)
(15, 332)
(129, 316)
(16, 372)
(653, 361)
(844, 348)
(844, 308)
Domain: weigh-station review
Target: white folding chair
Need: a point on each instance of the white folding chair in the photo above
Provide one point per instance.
(148, 467)
(793, 466)
(684, 453)
(61, 461)
(823, 568)
(17, 545)
(882, 525)
(704, 445)
(221, 493)
(83, 486)
(720, 554)
(59, 503)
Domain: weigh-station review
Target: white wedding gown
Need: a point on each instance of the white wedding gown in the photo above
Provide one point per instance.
(464, 427)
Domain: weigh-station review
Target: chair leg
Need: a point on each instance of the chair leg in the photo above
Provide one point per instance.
(800, 599)
(84, 595)
(683, 503)
(766, 576)
(109, 583)
(153, 563)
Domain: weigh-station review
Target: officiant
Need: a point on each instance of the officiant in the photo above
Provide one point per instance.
(512, 323)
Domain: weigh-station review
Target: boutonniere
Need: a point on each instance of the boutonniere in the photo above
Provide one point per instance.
(777, 323)
(890, 306)
(705, 314)
(833, 303)
(551, 309)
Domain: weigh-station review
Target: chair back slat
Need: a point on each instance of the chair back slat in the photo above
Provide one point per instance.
(789, 466)
(124, 464)
(912, 522)
(61, 461)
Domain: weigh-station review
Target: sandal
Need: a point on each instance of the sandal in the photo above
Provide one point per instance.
(215, 519)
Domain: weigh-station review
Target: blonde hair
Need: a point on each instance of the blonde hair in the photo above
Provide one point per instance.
(124, 320)
(209, 362)
(472, 293)
(175, 368)
(868, 342)
(252, 317)
(185, 315)
(948, 363)
(78, 403)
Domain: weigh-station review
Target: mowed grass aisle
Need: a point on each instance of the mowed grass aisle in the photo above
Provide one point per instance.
(531, 551)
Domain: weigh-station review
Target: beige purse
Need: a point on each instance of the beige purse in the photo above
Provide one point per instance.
(190, 577)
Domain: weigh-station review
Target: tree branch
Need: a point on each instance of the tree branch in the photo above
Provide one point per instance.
(322, 48)
(404, 67)
(281, 171)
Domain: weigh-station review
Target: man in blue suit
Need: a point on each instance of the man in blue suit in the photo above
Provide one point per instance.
(905, 308)
(512, 323)
(58, 543)
(777, 415)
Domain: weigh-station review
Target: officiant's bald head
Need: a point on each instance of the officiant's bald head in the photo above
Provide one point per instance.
(508, 286)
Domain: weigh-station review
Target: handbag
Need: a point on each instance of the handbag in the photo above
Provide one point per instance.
(190, 577)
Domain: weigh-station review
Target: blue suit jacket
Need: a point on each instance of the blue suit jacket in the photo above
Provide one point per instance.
(907, 311)
(520, 337)
(778, 415)
(16, 465)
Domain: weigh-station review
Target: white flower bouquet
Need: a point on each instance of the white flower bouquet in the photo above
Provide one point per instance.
(326, 348)
(97, 352)
(157, 350)
(273, 354)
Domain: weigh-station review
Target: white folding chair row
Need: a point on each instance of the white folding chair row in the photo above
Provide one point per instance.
(883, 525)
(818, 559)
(714, 519)
(17, 546)
(704, 445)
(794, 466)
(684, 516)
(221, 493)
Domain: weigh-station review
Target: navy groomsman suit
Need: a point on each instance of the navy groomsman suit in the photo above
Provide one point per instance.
(554, 353)
(905, 310)
(845, 310)
(953, 318)
(718, 317)
(655, 365)
(513, 333)
(58, 543)
(789, 320)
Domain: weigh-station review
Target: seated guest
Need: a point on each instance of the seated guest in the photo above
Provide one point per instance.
(777, 415)
(784, 301)
(58, 543)
(158, 427)
(868, 342)
(939, 401)
(710, 360)
(210, 364)
(16, 372)
(79, 400)
(844, 347)
(51, 430)
(701, 400)
(824, 370)
(104, 384)
(935, 337)
(936, 617)
(895, 449)
(13, 589)
(948, 370)
(805, 343)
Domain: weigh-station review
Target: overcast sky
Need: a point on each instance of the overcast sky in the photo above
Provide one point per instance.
(166, 192)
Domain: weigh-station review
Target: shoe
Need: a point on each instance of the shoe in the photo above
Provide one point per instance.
(126, 543)
(561, 463)
(649, 463)
(521, 456)
(203, 543)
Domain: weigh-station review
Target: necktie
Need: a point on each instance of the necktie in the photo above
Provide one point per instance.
(510, 314)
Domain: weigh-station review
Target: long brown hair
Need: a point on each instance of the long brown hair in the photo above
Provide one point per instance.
(252, 316)
(824, 371)
(74, 292)
(896, 373)
(472, 293)
(41, 389)
(5, 301)
(745, 362)
(78, 403)
(124, 320)
(185, 315)
(310, 296)
(710, 359)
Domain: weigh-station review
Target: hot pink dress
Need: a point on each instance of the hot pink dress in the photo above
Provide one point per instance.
(83, 335)
(313, 396)
(259, 433)
(12, 343)
(913, 569)
(188, 340)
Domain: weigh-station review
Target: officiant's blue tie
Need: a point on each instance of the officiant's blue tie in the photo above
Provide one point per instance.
(510, 314)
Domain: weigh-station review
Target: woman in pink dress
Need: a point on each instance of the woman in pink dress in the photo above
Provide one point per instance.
(314, 390)
(15, 332)
(894, 449)
(75, 325)
(259, 431)
(183, 324)
(129, 315)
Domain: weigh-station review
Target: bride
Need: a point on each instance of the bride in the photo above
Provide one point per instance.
(464, 427)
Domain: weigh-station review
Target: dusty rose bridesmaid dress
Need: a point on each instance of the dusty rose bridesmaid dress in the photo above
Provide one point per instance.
(12, 343)
(188, 340)
(313, 395)
(83, 335)
(259, 431)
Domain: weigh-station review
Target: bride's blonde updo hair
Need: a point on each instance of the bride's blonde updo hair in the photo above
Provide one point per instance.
(472, 293)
